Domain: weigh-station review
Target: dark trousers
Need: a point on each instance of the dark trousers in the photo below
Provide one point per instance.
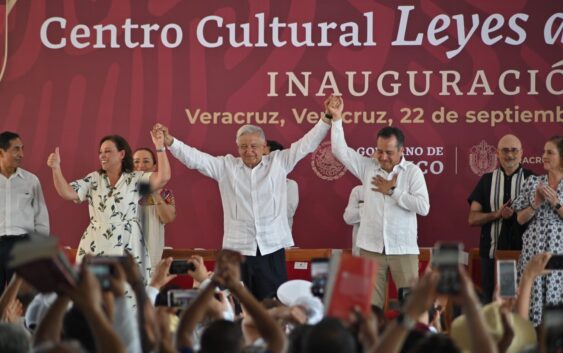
(487, 278)
(6, 245)
(263, 274)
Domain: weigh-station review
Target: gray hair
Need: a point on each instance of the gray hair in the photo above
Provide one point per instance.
(250, 129)
(14, 339)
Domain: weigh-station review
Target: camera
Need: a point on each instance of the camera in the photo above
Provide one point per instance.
(446, 257)
(319, 276)
(181, 267)
(181, 298)
(506, 278)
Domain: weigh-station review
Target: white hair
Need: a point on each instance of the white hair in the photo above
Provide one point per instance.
(250, 129)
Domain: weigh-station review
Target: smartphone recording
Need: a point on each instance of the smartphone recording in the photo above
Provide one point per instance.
(319, 276)
(181, 267)
(506, 278)
(446, 258)
(181, 298)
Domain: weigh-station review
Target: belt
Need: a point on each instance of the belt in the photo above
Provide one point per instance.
(12, 237)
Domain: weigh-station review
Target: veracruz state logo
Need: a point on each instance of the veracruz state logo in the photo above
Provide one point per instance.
(482, 158)
(325, 165)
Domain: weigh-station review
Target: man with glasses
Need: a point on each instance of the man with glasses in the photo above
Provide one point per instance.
(253, 189)
(22, 205)
(394, 192)
(490, 208)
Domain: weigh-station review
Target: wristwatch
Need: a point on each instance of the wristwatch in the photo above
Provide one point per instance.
(161, 149)
(405, 322)
(558, 206)
(390, 192)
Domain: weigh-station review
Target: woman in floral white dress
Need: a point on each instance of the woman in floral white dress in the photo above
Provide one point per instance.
(113, 198)
(539, 203)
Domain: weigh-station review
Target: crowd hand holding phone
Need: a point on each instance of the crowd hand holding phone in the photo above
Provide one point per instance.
(161, 274)
(200, 273)
(422, 296)
(217, 306)
(87, 293)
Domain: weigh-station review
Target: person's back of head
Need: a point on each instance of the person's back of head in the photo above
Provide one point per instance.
(274, 145)
(14, 339)
(222, 336)
(295, 338)
(413, 339)
(329, 336)
(76, 327)
(436, 343)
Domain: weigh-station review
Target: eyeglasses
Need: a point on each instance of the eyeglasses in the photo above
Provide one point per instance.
(509, 150)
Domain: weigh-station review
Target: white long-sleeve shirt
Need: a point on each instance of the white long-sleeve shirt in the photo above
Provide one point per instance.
(22, 205)
(254, 199)
(387, 223)
(292, 200)
(352, 215)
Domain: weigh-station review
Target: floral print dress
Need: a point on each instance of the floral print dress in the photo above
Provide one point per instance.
(544, 233)
(114, 217)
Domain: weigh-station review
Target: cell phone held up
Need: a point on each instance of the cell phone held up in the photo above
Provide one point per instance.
(103, 267)
(319, 276)
(506, 278)
(446, 258)
(181, 267)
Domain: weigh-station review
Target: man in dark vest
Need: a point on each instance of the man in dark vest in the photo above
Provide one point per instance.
(490, 208)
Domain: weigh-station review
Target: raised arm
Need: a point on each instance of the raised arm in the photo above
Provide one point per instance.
(351, 159)
(61, 185)
(228, 274)
(50, 328)
(165, 209)
(534, 268)
(191, 157)
(162, 176)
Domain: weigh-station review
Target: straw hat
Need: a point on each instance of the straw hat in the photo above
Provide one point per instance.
(524, 332)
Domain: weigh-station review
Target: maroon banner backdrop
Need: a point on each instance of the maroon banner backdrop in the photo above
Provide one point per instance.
(454, 75)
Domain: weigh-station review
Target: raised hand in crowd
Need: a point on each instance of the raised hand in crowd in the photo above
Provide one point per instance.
(534, 268)
(161, 274)
(227, 273)
(365, 328)
(10, 306)
(200, 273)
(147, 322)
(87, 296)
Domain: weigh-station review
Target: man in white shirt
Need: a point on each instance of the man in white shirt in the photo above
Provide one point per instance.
(394, 193)
(292, 187)
(253, 191)
(22, 205)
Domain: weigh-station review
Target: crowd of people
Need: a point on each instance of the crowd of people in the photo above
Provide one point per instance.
(129, 206)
